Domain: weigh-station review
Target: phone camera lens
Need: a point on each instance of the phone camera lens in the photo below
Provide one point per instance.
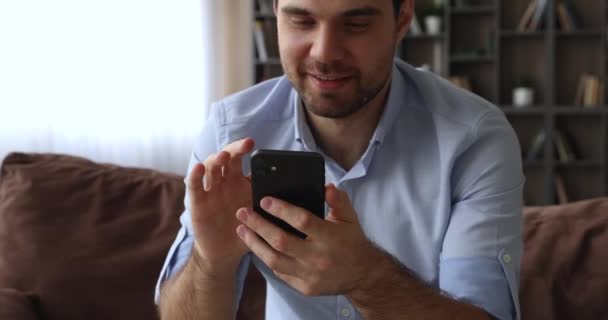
(273, 168)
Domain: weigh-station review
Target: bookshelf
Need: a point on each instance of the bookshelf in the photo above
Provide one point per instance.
(266, 65)
(483, 42)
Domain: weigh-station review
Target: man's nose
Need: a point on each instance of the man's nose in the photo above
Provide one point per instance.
(327, 45)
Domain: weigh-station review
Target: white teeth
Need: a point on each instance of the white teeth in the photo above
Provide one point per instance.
(329, 79)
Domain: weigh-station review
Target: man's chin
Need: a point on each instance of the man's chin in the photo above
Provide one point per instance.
(330, 108)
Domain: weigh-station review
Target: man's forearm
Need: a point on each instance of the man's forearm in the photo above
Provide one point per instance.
(393, 292)
(196, 294)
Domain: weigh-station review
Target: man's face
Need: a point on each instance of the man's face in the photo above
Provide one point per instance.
(338, 53)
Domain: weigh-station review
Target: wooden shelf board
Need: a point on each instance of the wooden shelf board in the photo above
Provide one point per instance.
(465, 10)
(580, 33)
(513, 34)
(471, 59)
(579, 164)
(531, 110)
(579, 110)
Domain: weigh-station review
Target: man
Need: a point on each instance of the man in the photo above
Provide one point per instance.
(424, 190)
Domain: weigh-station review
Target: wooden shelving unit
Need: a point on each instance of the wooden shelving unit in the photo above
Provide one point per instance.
(271, 66)
(480, 40)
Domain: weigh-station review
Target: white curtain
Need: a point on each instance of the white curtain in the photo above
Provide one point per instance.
(120, 81)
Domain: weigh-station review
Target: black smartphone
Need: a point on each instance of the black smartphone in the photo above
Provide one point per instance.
(296, 177)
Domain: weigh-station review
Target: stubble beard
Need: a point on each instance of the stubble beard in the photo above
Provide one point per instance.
(334, 105)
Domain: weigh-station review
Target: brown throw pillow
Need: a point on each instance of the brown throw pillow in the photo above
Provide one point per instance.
(15, 305)
(565, 265)
(89, 239)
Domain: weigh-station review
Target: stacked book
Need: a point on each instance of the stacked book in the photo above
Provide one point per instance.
(534, 17)
(590, 92)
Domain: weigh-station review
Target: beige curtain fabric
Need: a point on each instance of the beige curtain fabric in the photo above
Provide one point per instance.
(120, 81)
(231, 59)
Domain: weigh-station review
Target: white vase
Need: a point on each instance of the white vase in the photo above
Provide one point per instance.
(432, 25)
(523, 97)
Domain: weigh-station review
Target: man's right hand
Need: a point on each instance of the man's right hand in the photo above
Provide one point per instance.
(213, 205)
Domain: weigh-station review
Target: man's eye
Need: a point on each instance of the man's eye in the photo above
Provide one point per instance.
(357, 26)
(302, 23)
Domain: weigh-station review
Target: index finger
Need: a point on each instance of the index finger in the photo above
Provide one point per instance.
(237, 150)
(240, 148)
(299, 218)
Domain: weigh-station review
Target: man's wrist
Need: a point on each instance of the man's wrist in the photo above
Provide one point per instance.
(214, 271)
(378, 265)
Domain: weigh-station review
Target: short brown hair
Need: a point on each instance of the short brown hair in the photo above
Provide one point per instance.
(396, 6)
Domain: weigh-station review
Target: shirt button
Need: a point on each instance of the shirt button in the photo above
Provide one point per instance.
(506, 258)
(345, 313)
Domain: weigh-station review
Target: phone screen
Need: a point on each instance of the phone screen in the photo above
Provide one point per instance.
(296, 177)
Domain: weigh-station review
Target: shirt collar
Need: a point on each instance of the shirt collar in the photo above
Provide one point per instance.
(303, 134)
(394, 102)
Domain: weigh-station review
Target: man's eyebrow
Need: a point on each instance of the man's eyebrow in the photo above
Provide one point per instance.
(364, 11)
(357, 12)
(291, 10)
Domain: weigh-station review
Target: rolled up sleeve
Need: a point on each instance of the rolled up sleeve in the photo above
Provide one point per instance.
(482, 249)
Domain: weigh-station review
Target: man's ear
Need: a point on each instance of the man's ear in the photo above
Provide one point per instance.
(404, 18)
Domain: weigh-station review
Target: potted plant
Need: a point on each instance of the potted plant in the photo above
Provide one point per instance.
(523, 92)
(433, 17)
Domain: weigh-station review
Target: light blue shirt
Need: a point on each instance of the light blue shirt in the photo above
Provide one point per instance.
(439, 188)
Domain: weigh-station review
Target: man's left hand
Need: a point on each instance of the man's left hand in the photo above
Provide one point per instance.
(335, 258)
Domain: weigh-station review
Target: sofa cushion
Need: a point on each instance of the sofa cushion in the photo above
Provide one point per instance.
(565, 265)
(16, 305)
(89, 239)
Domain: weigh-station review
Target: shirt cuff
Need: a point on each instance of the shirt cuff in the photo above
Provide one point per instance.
(486, 282)
(178, 255)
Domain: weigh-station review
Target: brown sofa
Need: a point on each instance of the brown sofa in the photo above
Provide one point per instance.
(82, 240)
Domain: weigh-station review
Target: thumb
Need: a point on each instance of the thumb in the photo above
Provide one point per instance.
(341, 209)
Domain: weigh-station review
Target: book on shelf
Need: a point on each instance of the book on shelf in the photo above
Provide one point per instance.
(535, 15)
(265, 6)
(536, 150)
(266, 39)
(527, 16)
(539, 16)
(573, 14)
(562, 17)
(564, 148)
(560, 189)
(589, 92)
(272, 37)
(567, 16)
(461, 81)
(260, 41)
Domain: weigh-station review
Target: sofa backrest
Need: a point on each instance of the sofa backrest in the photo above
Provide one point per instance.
(87, 239)
(564, 271)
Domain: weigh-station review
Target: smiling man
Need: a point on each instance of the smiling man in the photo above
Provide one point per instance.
(425, 194)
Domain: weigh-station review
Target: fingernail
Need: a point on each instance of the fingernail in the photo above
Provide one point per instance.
(240, 230)
(241, 214)
(266, 203)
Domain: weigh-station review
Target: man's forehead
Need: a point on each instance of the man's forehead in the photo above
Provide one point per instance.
(335, 7)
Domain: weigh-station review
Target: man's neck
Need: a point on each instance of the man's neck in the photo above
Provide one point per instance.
(346, 139)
